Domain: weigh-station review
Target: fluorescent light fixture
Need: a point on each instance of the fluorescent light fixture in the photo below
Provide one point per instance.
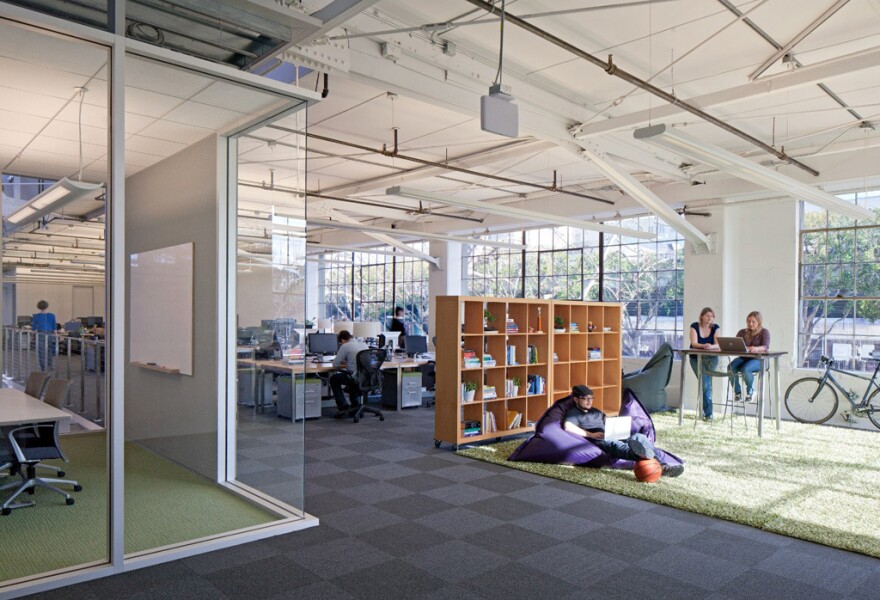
(51, 200)
(410, 233)
(519, 213)
(682, 143)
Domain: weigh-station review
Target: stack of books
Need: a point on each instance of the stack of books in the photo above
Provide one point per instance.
(536, 384)
(595, 354)
(489, 422)
(488, 361)
(512, 327)
(489, 392)
(514, 418)
(533, 354)
(471, 428)
(470, 359)
(511, 356)
(573, 327)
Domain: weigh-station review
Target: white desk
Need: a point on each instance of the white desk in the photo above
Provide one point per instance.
(17, 408)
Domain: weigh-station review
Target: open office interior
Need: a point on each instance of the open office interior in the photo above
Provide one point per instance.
(199, 197)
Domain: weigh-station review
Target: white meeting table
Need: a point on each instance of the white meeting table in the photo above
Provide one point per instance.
(17, 408)
(764, 357)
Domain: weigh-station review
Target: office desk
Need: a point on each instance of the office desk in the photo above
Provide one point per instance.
(311, 368)
(764, 357)
(17, 408)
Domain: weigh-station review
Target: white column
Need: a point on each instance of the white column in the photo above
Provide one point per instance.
(443, 279)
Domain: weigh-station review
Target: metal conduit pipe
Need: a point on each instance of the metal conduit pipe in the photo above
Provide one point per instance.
(612, 69)
(394, 153)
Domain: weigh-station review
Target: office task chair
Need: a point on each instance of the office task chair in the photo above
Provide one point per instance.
(429, 380)
(36, 383)
(57, 395)
(369, 380)
(32, 444)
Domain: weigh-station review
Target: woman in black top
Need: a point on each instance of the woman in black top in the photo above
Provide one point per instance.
(703, 338)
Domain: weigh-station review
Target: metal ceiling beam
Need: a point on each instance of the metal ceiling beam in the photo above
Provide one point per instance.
(844, 65)
(798, 38)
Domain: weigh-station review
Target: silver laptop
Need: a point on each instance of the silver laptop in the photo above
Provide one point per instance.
(732, 344)
(618, 428)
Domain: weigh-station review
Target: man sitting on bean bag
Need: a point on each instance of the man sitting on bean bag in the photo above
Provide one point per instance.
(572, 432)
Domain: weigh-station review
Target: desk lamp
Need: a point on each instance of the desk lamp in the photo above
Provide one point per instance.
(324, 324)
(367, 330)
(343, 325)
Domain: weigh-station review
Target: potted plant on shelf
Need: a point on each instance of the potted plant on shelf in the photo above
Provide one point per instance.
(559, 325)
(516, 383)
(488, 320)
(470, 391)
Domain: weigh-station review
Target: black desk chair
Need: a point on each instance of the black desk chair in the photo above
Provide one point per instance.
(429, 380)
(369, 380)
(32, 444)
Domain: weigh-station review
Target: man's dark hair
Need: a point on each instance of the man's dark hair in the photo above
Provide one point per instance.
(581, 391)
(343, 336)
(398, 311)
(42, 305)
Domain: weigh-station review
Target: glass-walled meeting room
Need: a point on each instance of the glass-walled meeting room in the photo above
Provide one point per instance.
(176, 450)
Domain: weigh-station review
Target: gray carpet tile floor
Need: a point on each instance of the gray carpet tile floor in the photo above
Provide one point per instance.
(402, 519)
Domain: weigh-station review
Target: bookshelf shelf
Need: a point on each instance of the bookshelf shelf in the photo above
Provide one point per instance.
(525, 332)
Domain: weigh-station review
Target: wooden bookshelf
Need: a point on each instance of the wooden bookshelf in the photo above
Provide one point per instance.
(462, 328)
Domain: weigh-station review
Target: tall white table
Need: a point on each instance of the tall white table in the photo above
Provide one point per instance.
(17, 408)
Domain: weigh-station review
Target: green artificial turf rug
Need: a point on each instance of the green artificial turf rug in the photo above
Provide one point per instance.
(813, 482)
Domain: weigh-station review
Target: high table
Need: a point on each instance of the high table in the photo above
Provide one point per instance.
(764, 357)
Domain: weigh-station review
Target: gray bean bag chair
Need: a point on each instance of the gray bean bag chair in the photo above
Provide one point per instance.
(649, 383)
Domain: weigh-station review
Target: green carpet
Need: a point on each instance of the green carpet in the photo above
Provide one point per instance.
(164, 504)
(812, 482)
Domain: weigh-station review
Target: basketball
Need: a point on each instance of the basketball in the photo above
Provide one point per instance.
(648, 471)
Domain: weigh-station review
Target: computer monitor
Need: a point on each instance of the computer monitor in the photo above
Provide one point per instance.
(323, 343)
(415, 344)
(243, 336)
(24, 320)
(267, 323)
(72, 326)
(94, 321)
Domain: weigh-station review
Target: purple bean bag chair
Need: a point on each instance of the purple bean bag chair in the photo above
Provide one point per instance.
(552, 444)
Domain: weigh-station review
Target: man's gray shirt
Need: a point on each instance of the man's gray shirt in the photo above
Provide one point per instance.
(347, 355)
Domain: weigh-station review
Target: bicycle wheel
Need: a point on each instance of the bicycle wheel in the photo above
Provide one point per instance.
(874, 402)
(804, 407)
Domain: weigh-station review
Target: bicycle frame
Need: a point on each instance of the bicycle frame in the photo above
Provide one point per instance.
(872, 383)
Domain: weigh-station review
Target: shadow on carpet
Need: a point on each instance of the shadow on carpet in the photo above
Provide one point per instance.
(811, 482)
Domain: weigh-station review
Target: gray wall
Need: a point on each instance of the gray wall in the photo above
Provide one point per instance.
(173, 202)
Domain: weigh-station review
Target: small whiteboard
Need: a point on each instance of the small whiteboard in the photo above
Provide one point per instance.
(161, 329)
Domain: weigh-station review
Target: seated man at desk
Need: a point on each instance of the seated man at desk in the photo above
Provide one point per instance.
(346, 361)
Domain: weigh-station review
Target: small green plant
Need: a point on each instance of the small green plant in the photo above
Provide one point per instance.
(516, 382)
(470, 386)
(490, 318)
(559, 322)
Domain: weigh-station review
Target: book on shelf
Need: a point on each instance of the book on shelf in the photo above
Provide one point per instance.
(508, 388)
(573, 327)
(511, 356)
(595, 354)
(536, 384)
(533, 354)
(514, 418)
(511, 326)
(489, 422)
(488, 361)
(471, 428)
(489, 392)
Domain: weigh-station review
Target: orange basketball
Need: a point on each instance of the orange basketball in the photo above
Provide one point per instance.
(648, 471)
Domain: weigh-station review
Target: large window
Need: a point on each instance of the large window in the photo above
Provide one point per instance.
(563, 263)
(839, 286)
(367, 286)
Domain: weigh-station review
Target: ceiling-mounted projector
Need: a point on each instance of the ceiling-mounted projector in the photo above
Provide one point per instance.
(498, 113)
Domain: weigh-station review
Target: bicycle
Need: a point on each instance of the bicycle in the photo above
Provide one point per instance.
(814, 399)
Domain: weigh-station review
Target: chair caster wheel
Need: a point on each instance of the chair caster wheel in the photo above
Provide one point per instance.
(381, 418)
(61, 473)
(77, 488)
(69, 501)
(356, 420)
(436, 443)
(7, 511)
(455, 447)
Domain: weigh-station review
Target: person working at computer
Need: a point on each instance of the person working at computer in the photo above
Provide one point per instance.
(757, 339)
(44, 322)
(585, 421)
(397, 324)
(703, 338)
(346, 361)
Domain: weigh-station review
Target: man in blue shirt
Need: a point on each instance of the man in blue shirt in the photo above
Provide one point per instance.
(44, 323)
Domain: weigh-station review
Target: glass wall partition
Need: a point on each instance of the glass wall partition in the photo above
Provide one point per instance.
(54, 140)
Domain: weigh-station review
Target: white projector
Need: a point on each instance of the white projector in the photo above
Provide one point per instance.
(498, 113)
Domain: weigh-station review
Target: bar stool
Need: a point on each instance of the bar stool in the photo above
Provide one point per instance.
(730, 401)
(710, 373)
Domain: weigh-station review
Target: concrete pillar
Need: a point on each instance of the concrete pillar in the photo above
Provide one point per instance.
(445, 279)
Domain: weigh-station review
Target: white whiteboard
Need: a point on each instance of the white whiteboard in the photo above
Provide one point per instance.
(161, 329)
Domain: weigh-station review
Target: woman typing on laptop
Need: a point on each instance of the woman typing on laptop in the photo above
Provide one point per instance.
(757, 339)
